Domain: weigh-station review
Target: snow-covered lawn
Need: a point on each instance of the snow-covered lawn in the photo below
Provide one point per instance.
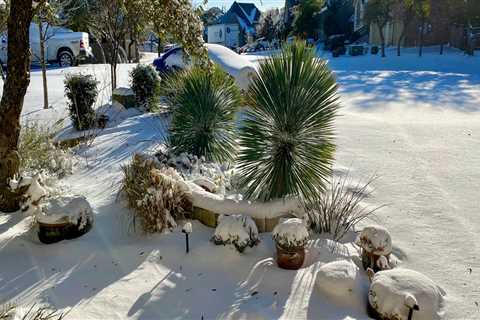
(414, 122)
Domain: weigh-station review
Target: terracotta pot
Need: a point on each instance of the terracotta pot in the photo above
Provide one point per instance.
(291, 259)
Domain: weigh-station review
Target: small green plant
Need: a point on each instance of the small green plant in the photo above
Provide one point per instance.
(81, 92)
(204, 110)
(156, 198)
(145, 84)
(287, 138)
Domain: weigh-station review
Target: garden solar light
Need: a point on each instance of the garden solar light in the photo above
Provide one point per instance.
(187, 229)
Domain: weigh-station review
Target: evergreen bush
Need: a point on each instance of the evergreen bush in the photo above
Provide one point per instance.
(81, 92)
(145, 83)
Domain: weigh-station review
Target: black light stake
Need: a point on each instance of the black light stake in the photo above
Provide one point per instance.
(187, 229)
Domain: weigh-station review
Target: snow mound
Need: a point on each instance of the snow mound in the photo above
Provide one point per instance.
(239, 230)
(343, 280)
(375, 240)
(393, 292)
(291, 233)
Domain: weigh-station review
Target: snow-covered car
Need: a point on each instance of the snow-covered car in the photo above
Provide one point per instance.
(62, 45)
(239, 67)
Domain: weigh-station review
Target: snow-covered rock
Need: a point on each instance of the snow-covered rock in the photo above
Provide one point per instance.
(291, 233)
(124, 96)
(75, 210)
(239, 230)
(393, 292)
(375, 240)
(206, 183)
(343, 280)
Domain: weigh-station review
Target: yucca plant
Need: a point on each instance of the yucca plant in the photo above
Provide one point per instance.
(203, 117)
(287, 138)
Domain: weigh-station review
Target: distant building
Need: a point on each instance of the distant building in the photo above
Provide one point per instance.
(236, 27)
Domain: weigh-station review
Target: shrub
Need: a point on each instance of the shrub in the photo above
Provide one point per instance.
(11, 311)
(81, 92)
(154, 194)
(286, 140)
(145, 83)
(340, 207)
(238, 230)
(38, 153)
(203, 118)
(290, 234)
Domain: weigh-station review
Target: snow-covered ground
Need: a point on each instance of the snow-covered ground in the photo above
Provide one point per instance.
(413, 121)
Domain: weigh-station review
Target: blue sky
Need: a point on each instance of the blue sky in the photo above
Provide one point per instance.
(261, 4)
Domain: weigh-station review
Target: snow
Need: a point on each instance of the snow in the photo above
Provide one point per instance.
(412, 121)
(344, 282)
(291, 233)
(392, 292)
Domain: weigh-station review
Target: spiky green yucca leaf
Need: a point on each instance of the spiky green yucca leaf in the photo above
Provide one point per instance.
(286, 141)
(203, 118)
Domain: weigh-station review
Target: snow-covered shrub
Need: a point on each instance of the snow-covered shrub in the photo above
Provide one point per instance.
(376, 244)
(203, 115)
(214, 177)
(145, 83)
(291, 233)
(39, 153)
(155, 194)
(81, 92)
(286, 138)
(11, 311)
(394, 292)
(238, 230)
(340, 207)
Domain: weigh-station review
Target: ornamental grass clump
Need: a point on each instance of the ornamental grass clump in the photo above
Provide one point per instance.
(145, 83)
(287, 138)
(154, 194)
(204, 108)
(340, 207)
(81, 92)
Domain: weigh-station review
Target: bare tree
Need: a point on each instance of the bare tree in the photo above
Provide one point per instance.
(44, 17)
(403, 10)
(110, 23)
(14, 90)
(379, 13)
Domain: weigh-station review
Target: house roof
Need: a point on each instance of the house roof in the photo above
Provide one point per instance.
(244, 14)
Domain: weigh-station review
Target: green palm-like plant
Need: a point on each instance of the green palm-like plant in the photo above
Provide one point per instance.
(286, 141)
(203, 123)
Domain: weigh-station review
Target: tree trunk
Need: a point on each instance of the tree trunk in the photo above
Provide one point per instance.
(399, 44)
(382, 39)
(441, 49)
(420, 51)
(43, 64)
(14, 90)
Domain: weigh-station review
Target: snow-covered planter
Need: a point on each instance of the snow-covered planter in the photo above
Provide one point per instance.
(402, 294)
(290, 237)
(343, 280)
(238, 230)
(67, 217)
(376, 244)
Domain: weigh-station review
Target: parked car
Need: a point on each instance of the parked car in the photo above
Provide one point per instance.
(62, 45)
(239, 67)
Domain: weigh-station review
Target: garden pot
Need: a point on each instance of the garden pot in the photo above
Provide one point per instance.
(52, 233)
(291, 259)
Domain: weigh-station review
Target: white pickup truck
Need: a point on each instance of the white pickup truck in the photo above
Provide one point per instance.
(62, 45)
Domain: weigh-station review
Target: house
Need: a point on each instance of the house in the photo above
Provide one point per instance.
(435, 31)
(392, 30)
(236, 27)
